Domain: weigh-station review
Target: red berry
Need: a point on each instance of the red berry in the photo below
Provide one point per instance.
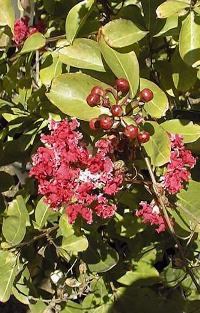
(131, 131)
(116, 110)
(97, 91)
(94, 123)
(106, 122)
(146, 95)
(122, 85)
(93, 100)
(143, 137)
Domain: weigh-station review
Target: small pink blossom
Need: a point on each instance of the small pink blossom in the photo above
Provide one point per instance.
(21, 30)
(177, 171)
(150, 214)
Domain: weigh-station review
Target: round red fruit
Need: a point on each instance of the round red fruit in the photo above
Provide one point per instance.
(146, 95)
(93, 100)
(131, 131)
(143, 137)
(122, 85)
(106, 122)
(116, 110)
(94, 124)
(97, 91)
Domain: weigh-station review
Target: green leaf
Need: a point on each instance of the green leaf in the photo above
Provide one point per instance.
(181, 219)
(189, 40)
(158, 148)
(74, 243)
(83, 53)
(172, 276)
(184, 76)
(42, 212)
(121, 33)
(127, 226)
(72, 307)
(8, 271)
(171, 7)
(189, 130)
(7, 15)
(38, 307)
(69, 92)
(171, 23)
(33, 43)
(77, 17)
(158, 106)
(123, 65)
(14, 225)
(65, 228)
(21, 290)
(51, 67)
(143, 271)
(100, 257)
(189, 200)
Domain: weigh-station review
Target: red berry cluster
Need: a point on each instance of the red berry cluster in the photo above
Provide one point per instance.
(99, 97)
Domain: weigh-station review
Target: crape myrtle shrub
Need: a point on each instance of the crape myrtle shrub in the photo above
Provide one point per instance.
(99, 162)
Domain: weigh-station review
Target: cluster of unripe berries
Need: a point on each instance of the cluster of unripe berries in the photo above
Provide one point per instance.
(98, 97)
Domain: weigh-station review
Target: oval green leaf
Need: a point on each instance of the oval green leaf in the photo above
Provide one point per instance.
(100, 257)
(171, 7)
(143, 271)
(121, 33)
(189, 40)
(42, 212)
(69, 92)
(74, 243)
(33, 43)
(51, 67)
(14, 225)
(83, 53)
(189, 130)
(158, 148)
(7, 15)
(77, 17)
(8, 271)
(158, 106)
(189, 201)
(123, 65)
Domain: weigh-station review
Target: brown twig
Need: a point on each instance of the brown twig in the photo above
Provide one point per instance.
(45, 233)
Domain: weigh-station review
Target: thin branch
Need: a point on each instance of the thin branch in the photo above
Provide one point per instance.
(45, 233)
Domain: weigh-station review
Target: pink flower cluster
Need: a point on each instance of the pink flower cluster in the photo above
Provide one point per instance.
(150, 214)
(177, 171)
(70, 176)
(23, 31)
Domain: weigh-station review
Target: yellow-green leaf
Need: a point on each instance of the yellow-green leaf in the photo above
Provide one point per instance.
(189, 130)
(158, 106)
(69, 92)
(123, 65)
(14, 225)
(76, 18)
(189, 40)
(7, 14)
(83, 53)
(171, 7)
(158, 147)
(33, 43)
(8, 271)
(121, 33)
